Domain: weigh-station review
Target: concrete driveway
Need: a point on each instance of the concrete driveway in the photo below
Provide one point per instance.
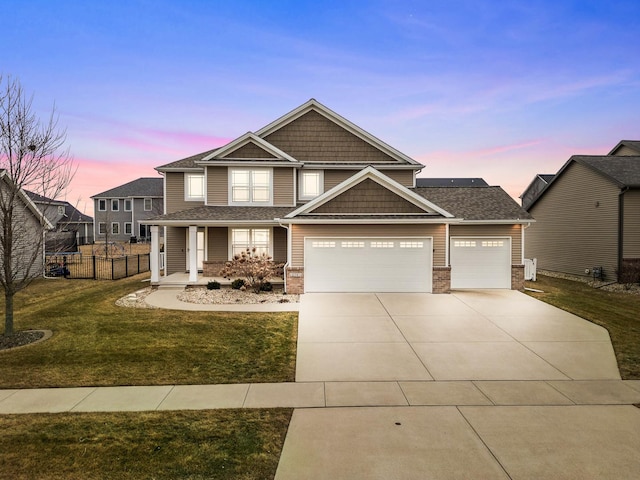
(467, 335)
(489, 378)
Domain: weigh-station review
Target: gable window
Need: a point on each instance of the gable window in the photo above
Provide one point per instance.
(250, 238)
(311, 184)
(193, 187)
(127, 204)
(128, 230)
(60, 210)
(115, 205)
(148, 204)
(102, 228)
(250, 187)
(115, 228)
(102, 205)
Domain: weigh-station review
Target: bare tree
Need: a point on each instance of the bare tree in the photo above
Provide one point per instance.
(32, 157)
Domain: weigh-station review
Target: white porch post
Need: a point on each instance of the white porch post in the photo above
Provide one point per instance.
(154, 258)
(193, 253)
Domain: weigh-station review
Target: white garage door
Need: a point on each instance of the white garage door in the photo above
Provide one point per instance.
(478, 262)
(367, 264)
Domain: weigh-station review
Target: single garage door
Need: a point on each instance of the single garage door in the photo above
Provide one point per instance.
(367, 264)
(478, 262)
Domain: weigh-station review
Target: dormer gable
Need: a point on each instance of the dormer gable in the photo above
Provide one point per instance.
(248, 148)
(370, 192)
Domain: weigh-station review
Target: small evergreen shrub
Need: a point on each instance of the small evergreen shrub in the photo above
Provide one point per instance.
(237, 284)
(213, 285)
(266, 287)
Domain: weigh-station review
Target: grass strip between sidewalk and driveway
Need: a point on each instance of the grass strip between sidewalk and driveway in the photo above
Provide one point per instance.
(97, 343)
(619, 313)
(214, 444)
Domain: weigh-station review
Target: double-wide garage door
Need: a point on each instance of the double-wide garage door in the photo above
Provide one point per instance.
(368, 264)
(480, 262)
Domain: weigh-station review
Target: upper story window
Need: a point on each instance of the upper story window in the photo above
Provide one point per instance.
(115, 205)
(127, 204)
(193, 187)
(311, 184)
(250, 186)
(102, 205)
(148, 204)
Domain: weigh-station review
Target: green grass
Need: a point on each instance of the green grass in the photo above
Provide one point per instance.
(96, 343)
(619, 313)
(214, 444)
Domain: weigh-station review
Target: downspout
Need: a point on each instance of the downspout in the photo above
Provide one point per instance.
(523, 228)
(446, 245)
(621, 228)
(286, 265)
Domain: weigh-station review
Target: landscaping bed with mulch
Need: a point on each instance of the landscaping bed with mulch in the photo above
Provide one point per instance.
(20, 339)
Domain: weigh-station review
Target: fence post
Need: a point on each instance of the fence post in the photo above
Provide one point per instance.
(126, 266)
(93, 260)
(113, 272)
(138, 263)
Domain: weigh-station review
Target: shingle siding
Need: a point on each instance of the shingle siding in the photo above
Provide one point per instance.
(631, 235)
(314, 138)
(576, 224)
(334, 177)
(250, 150)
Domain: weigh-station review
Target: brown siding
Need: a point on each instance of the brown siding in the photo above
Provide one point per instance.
(250, 150)
(175, 202)
(314, 138)
(279, 244)
(302, 231)
(217, 186)
(283, 186)
(174, 248)
(513, 231)
(334, 177)
(576, 224)
(631, 235)
(625, 151)
(368, 197)
(217, 244)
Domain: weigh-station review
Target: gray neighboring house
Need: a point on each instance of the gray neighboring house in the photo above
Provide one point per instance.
(119, 210)
(65, 218)
(534, 189)
(588, 216)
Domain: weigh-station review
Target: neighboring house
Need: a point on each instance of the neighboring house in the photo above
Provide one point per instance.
(28, 228)
(118, 211)
(340, 208)
(66, 219)
(588, 216)
(536, 186)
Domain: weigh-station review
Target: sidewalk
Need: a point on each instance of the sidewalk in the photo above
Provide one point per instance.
(321, 395)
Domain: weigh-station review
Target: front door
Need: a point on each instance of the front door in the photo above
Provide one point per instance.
(200, 248)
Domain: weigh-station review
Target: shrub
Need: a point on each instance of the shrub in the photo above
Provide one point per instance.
(213, 285)
(630, 271)
(254, 268)
(237, 284)
(266, 287)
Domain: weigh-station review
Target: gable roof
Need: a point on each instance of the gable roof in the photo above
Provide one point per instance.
(479, 204)
(4, 176)
(631, 144)
(451, 182)
(71, 213)
(370, 173)
(141, 187)
(225, 153)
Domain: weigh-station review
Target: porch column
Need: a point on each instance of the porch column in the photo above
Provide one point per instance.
(154, 257)
(193, 253)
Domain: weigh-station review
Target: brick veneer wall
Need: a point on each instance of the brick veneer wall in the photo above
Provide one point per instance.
(517, 277)
(441, 280)
(211, 269)
(295, 280)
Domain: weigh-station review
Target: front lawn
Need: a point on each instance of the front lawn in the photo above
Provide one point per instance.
(215, 444)
(619, 313)
(96, 343)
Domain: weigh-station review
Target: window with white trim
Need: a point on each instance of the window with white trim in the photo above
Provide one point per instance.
(323, 244)
(115, 205)
(102, 228)
(61, 210)
(250, 238)
(127, 204)
(411, 244)
(148, 204)
(250, 186)
(352, 244)
(311, 184)
(464, 243)
(382, 244)
(102, 205)
(194, 187)
(128, 228)
(115, 228)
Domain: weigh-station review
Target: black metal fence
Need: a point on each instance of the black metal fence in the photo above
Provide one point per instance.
(94, 267)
